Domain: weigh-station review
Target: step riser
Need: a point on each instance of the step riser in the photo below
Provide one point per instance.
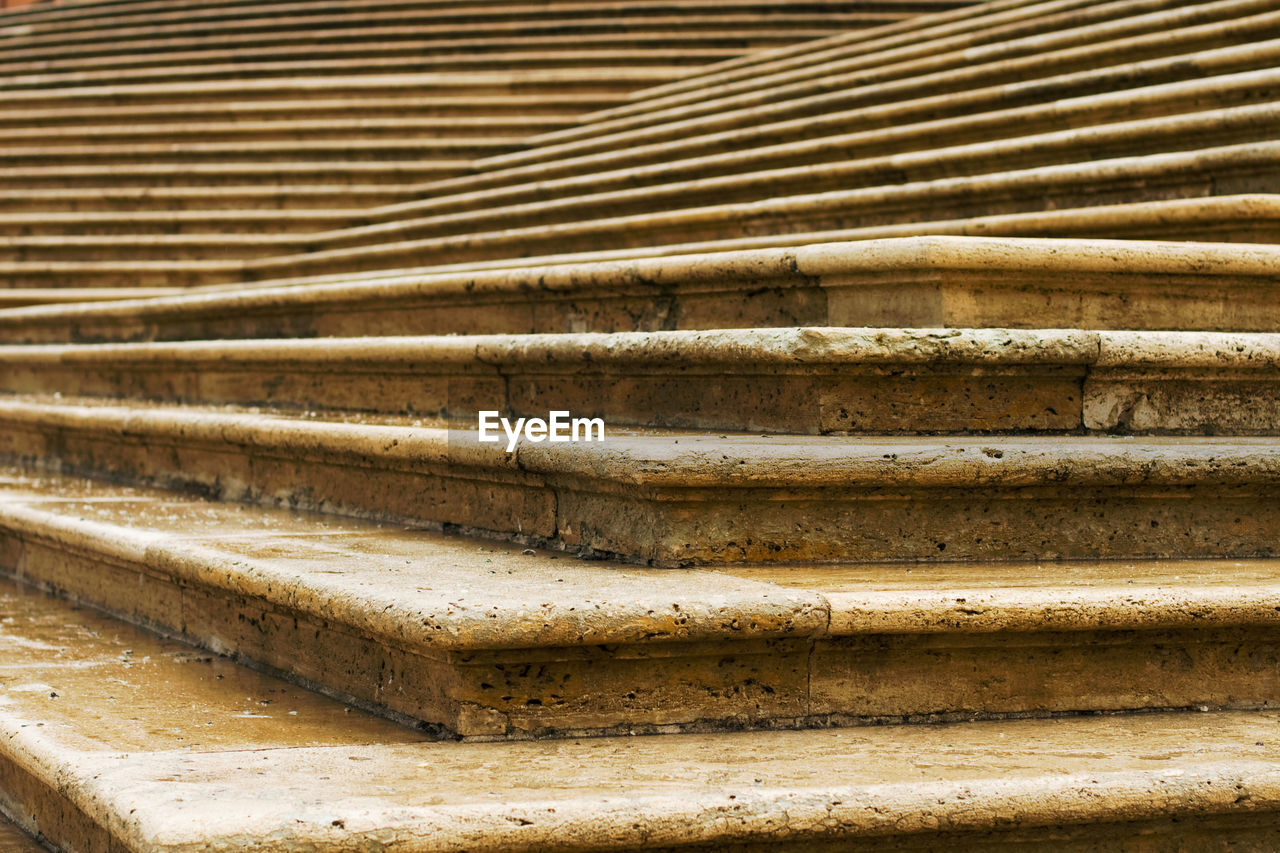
(184, 133)
(106, 157)
(374, 62)
(388, 179)
(124, 275)
(38, 223)
(104, 200)
(1140, 179)
(471, 109)
(46, 809)
(860, 90)
(87, 100)
(129, 248)
(841, 284)
(955, 111)
(784, 682)
(679, 524)
(483, 696)
(849, 398)
(836, 168)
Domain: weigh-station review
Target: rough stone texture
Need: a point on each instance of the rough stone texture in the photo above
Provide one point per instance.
(14, 840)
(253, 764)
(491, 643)
(678, 498)
(916, 282)
(810, 380)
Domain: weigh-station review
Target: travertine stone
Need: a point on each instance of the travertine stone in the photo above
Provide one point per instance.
(809, 380)
(762, 64)
(92, 774)
(1184, 29)
(912, 282)
(1228, 169)
(850, 146)
(677, 498)
(14, 840)
(490, 643)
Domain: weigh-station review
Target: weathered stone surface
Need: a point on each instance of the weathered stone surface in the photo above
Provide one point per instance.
(673, 498)
(811, 380)
(799, 157)
(913, 282)
(15, 840)
(232, 768)
(491, 643)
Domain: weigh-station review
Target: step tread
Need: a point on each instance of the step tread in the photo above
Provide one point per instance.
(658, 458)
(161, 779)
(430, 590)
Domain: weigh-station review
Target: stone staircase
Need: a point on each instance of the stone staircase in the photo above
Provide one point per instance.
(160, 135)
(939, 499)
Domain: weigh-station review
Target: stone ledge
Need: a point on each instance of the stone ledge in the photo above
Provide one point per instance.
(809, 380)
(1063, 49)
(935, 282)
(679, 498)
(162, 780)
(490, 642)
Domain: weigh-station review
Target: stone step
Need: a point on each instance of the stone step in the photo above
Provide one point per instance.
(264, 223)
(678, 498)
(452, 85)
(911, 282)
(14, 297)
(483, 641)
(128, 273)
(394, 39)
(861, 135)
(1076, 70)
(459, 150)
(1010, 33)
(881, 55)
(192, 759)
(770, 61)
(1242, 218)
(646, 214)
(15, 840)
(84, 16)
(666, 59)
(279, 178)
(281, 196)
(533, 105)
(806, 380)
(764, 30)
(162, 248)
(424, 132)
(675, 44)
(908, 154)
(1229, 169)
